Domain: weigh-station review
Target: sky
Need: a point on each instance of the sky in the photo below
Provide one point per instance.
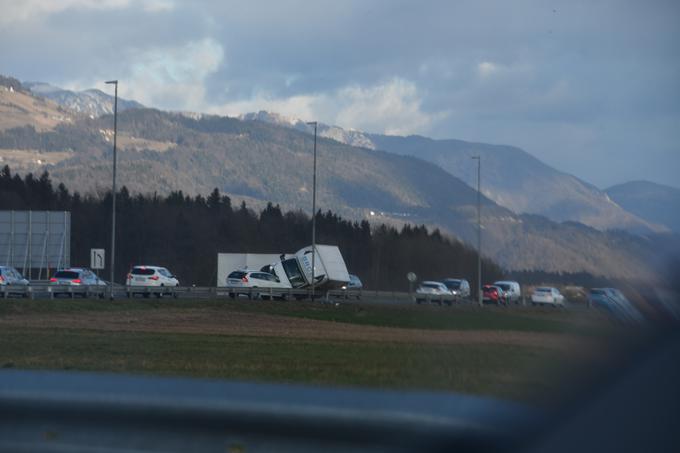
(589, 87)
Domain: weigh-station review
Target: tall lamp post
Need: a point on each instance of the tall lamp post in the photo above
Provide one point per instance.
(314, 213)
(113, 204)
(479, 229)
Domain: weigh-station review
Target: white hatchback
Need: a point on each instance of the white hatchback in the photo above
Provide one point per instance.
(255, 279)
(547, 296)
(155, 276)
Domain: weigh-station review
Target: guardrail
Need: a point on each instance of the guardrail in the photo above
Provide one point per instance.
(50, 291)
(45, 290)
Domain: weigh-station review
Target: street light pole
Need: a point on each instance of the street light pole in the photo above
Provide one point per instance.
(314, 213)
(113, 204)
(479, 229)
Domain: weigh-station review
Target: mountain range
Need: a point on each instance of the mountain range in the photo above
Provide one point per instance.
(88, 102)
(257, 161)
(511, 177)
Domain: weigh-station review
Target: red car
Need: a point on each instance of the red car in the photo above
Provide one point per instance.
(493, 294)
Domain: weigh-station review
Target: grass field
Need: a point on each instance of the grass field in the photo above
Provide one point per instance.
(517, 354)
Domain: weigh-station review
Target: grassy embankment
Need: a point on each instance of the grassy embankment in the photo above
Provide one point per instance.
(509, 371)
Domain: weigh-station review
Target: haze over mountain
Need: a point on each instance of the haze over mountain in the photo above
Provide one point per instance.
(651, 201)
(261, 162)
(511, 177)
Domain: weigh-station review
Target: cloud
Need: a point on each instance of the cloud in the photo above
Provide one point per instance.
(486, 69)
(157, 6)
(393, 107)
(29, 10)
(171, 78)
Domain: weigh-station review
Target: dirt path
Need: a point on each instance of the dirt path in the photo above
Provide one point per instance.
(213, 321)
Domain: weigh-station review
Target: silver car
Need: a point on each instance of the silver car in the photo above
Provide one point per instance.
(77, 276)
(11, 276)
(459, 287)
(10, 279)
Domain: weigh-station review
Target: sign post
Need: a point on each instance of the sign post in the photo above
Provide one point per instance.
(97, 258)
(411, 277)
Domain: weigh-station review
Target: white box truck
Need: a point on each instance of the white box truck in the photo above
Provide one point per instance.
(229, 262)
(330, 270)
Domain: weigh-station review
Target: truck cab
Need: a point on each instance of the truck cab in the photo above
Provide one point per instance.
(330, 270)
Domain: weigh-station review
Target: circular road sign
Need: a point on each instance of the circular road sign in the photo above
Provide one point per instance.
(411, 277)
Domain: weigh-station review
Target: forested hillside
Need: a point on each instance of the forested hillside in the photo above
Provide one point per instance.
(185, 233)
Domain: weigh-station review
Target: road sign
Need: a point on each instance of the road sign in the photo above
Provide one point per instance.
(97, 258)
(411, 277)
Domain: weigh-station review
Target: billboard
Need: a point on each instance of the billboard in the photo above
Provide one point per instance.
(35, 240)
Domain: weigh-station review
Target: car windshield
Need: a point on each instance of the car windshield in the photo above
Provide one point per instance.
(317, 192)
(293, 272)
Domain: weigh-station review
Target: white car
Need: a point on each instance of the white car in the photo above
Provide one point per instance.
(434, 291)
(512, 291)
(150, 276)
(547, 296)
(255, 279)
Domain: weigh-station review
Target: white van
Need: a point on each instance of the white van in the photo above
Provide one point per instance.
(512, 290)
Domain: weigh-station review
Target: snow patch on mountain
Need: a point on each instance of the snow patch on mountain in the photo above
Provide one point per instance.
(350, 137)
(90, 102)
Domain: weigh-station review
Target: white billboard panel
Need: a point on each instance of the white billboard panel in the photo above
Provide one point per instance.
(228, 262)
(35, 239)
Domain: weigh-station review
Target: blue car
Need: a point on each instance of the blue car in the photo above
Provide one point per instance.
(615, 304)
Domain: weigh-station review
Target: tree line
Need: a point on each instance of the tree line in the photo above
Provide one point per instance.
(184, 233)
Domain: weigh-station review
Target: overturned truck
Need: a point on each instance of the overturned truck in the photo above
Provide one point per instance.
(330, 271)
